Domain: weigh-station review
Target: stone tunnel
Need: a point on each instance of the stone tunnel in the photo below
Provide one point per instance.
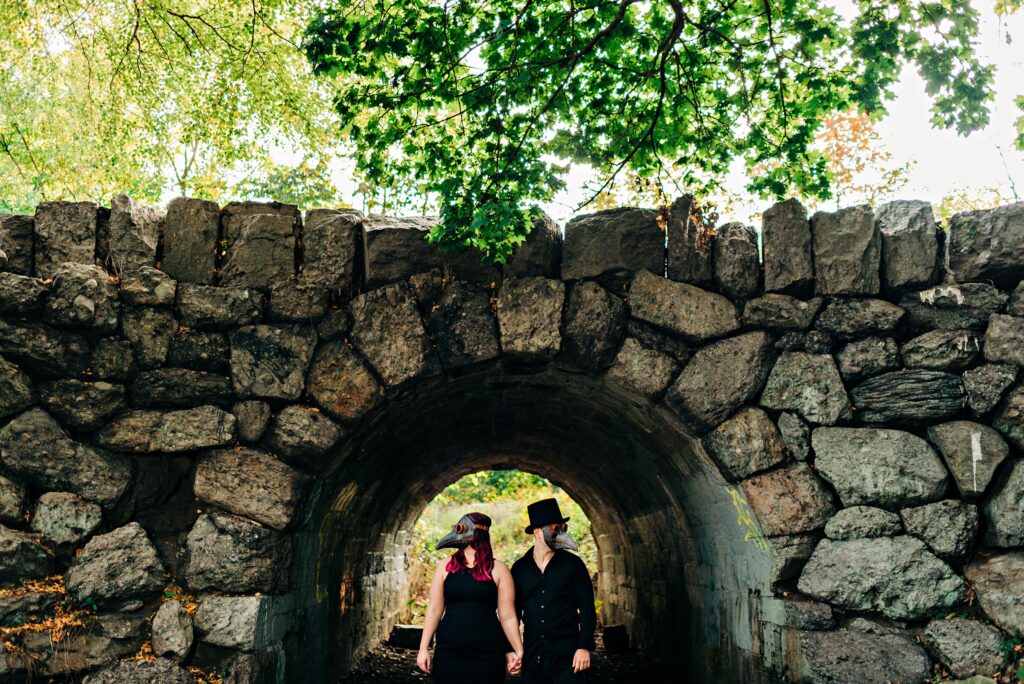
(801, 462)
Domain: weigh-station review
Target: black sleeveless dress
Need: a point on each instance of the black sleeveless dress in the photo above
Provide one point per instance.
(470, 647)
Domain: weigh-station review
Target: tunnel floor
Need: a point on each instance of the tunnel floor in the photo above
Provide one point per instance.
(398, 666)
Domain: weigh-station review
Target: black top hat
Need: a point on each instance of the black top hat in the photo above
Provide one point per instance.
(544, 512)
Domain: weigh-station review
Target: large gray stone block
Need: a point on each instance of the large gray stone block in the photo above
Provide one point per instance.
(689, 255)
(641, 369)
(965, 647)
(122, 564)
(270, 362)
(169, 431)
(216, 308)
(788, 501)
(261, 243)
(808, 384)
(988, 244)
(855, 657)
(82, 296)
(237, 556)
(23, 556)
(16, 391)
(530, 318)
(541, 253)
(908, 396)
(464, 327)
(737, 261)
(1004, 511)
(388, 332)
(191, 231)
(64, 232)
(680, 308)
(340, 382)
(594, 325)
(952, 307)
(247, 623)
(948, 527)
(329, 239)
(972, 452)
(847, 251)
(42, 351)
(947, 350)
(133, 234)
(998, 583)
(16, 240)
(252, 484)
(786, 235)
(1004, 340)
(746, 443)
(910, 245)
(613, 243)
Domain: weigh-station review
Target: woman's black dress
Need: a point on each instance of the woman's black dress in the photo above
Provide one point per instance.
(470, 647)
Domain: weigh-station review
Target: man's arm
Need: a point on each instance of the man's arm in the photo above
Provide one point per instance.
(585, 604)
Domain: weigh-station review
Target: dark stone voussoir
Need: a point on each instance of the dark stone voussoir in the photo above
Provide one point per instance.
(1004, 340)
(150, 331)
(530, 318)
(169, 431)
(199, 350)
(719, 379)
(594, 325)
(269, 362)
(166, 387)
(808, 384)
(388, 332)
(82, 405)
(297, 300)
(641, 369)
(681, 308)
(790, 500)
(217, 308)
(341, 383)
(251, 419)
(781, 312)
(23, 556)
(16, 390)
(613, 243)
(908, 396)
(44, 352)
(986, 385)
(848, 319)
(746, 443)
(464, 327)
(541, 253)
(121, 564)
(252, 484)
(13, 496)
(68, 465)
(235, 555)
(302, 434)
(260, 242)
(329, 239)
(869, 356)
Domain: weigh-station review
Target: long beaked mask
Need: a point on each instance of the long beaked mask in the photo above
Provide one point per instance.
(556, 536)
(461, 534)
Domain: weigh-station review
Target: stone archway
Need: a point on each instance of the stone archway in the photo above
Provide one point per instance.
(246, 432)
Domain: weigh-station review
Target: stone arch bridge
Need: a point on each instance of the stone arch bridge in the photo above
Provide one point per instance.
(217, 425)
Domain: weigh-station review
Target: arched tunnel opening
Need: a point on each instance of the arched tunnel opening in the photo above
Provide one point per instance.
(673, 566)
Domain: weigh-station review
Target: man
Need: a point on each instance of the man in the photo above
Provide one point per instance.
(554, 600)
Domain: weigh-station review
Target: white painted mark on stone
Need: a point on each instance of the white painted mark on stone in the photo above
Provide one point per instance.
(975, 456)
(928, 296)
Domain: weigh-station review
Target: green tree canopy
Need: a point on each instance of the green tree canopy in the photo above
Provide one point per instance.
(485, 101)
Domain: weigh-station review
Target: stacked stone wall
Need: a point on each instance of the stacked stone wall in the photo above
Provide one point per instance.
(173, 388)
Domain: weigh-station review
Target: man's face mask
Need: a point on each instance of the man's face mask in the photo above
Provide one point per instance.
(556, 536)
(461, 534)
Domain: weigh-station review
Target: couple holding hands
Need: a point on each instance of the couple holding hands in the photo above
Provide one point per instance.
(476, 603)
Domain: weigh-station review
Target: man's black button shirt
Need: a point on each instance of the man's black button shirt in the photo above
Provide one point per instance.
(556, 606)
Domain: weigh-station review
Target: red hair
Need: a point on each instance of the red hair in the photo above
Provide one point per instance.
(481, 543)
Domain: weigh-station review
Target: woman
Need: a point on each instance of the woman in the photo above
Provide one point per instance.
(471, 604)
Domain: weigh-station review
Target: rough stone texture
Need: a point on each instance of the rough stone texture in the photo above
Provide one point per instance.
(199, 350)
(988, 245)
(82, 296)
(12, 500)
(1015, 305)
(249, 623)
(1004, 339)
(948, 528)
(43, 352)
(847, 251)
(998, 583)
(687, 261)
(796, 435)
(237, 556)
(146, 286)
(737, 261)
(594, 325)
(296, 300)
(986, 384)
(341, 383)
(150, 331)
(172, 631)
(909, 245)
(1009, 418)
(540, 255)
(848, 319)
(251, 418)
(34, 447)
(657, 339)
(965, 647)
(788, 556)
(895, 576)
(788, 501)
(613, 242)
(719, 379)
(134, 230)
(387, 330)
(16, 610)
(302, 434)
(112, 360)
(781, 312)
(21, 295)
(798, 613)
(464, 327)
(862, 522)
(746, 443)
(270, 362)
(855, 657)
(191, 231)
(1004, 511)
(952, 307)
(15, 389)
(870, 356)
(159, 671)
(169, 431)
(886, 468)
(22, 556)
(908, 396)
(179, 387)
(118, 565)
(808, 384)
(680, 308)
(786, 235)
(530, 317)
(972, 452)
(64, 232)
(261, 246)
(16, 243)
(216, 308)
(942, 350)
(329, 239)
(252, 484)
(643, 370)
(65, 518)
